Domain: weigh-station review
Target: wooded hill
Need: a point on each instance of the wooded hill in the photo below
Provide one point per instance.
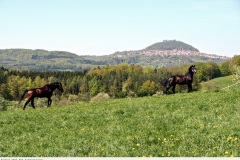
(162, 54)
(42, 60)
(171, 45)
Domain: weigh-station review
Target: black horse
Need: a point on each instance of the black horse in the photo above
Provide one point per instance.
(45, 91)
(181, 80)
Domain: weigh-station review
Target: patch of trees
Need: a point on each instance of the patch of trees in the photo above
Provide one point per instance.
(118, 81)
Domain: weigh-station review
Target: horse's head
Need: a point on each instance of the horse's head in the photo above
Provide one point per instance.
(57, 85)
(192, 69)
(60, 86)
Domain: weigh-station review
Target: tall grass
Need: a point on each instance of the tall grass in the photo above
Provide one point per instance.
(181, 125)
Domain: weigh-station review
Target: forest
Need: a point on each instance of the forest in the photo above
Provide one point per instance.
(117, 81)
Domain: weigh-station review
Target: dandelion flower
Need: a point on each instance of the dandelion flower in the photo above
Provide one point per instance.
(226, 152)
(138, 145)
(229, 138)
(169, 154)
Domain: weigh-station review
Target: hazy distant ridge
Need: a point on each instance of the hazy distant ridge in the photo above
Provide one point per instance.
(161, 54)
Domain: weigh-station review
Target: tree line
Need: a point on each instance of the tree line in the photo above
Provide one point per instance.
(118, 81)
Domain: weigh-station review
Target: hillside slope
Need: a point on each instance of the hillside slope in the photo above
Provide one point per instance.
(218, 83)
(179, 125)
(27, 59)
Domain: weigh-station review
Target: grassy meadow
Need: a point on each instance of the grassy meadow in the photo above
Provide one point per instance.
(218, 83)
(197, 124)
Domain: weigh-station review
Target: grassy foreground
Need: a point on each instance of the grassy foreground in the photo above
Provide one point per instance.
(181, 125)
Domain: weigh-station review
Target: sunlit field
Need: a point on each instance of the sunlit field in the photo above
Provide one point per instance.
(197, 124)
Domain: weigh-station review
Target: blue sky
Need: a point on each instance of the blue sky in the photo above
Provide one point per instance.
(101, 27)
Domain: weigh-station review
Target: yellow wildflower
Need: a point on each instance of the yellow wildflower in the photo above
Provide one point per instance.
(229, 138)
(169, 154)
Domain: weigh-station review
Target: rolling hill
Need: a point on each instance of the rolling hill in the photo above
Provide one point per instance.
(42, 60)
(161, 54)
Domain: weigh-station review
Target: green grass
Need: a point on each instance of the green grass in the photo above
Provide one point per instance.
(182, 125)
(218, 83)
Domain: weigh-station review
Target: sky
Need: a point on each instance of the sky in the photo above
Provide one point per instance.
(102, 27)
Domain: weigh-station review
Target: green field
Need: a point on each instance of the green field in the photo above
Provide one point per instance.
(197, 124)
(218, 83)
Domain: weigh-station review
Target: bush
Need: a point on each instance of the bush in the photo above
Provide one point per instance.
(73, 98)
(100, 97)
(3, 106)
(131, 94)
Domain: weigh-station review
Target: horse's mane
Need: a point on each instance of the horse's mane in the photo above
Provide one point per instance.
(54, 83)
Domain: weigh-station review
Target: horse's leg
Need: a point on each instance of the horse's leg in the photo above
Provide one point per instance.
(173, 88)
(49, 101)
(169, 88)
(32, 103)
(26, 103)
(166, 89)
(189, 87)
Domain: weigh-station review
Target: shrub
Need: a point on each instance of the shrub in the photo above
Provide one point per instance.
(3, 106)
(100, 97)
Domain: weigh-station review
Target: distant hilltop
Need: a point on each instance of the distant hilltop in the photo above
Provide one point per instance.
(170, 48)
(171, 45)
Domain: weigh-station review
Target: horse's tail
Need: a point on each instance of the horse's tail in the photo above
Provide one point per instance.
(24, 92)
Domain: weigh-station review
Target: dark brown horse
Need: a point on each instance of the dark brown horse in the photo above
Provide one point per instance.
(45, 91)
(181, 80)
